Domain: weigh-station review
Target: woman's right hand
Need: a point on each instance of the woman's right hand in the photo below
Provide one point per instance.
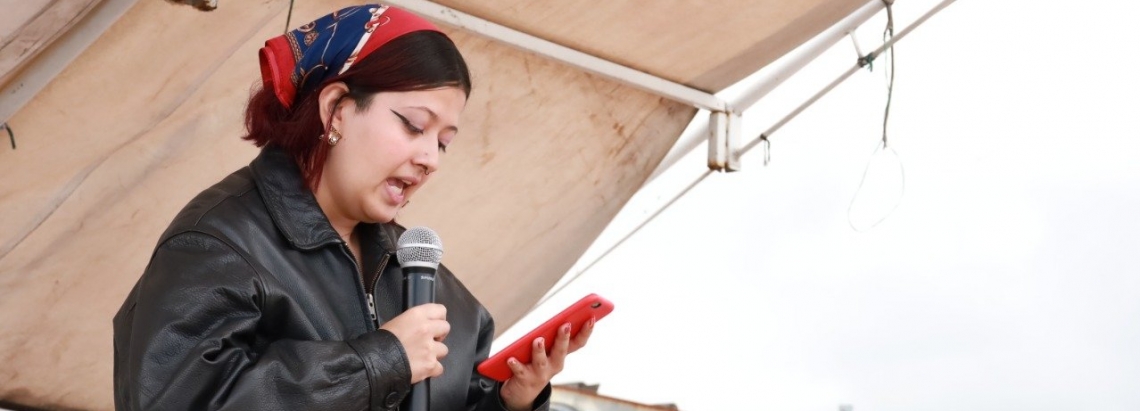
(421, 330)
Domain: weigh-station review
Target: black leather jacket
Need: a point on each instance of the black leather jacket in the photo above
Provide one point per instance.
(251, 301)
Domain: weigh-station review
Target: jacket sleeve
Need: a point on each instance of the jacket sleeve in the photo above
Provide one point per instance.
(188, 338)
(483, 393)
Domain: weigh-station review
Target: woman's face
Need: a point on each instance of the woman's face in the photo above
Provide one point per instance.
(387, 152)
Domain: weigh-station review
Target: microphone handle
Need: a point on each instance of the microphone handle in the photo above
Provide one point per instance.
(419, 286)
(419, 289)
(420, 399)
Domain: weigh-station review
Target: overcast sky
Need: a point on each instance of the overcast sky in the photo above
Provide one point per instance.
(1007, 278)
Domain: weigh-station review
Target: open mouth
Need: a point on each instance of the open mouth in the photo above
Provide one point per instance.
(396, 189)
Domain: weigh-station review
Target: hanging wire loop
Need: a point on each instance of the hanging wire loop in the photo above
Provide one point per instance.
(889, 34)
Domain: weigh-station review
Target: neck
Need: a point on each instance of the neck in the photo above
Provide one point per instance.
(341, 222)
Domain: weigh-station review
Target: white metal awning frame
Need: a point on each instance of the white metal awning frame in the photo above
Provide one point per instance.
(723, 135)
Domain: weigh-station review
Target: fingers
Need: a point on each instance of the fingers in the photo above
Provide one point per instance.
(437, 329)
(431, 311)
(429, 360)
(538, 356)
(440, 350)
(433, 319)
(425, 358)
(579, 340)
(518, 370)
(421, 330)
(538, 369)
(527, 380)
(561, 348)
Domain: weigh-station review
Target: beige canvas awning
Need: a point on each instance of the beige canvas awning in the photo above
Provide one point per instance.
(150, 113)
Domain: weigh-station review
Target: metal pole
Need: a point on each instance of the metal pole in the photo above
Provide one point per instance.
(782, 70)
(639, 79)
(804, 55)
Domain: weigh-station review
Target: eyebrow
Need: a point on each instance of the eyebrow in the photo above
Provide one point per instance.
(434, 117)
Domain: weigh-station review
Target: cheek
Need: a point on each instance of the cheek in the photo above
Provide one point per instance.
(366, 168)
(346, 162)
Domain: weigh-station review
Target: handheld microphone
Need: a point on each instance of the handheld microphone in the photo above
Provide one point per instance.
(419, 252)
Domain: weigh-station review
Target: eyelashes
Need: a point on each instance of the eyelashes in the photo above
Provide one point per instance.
(408, 124)
(416, 130)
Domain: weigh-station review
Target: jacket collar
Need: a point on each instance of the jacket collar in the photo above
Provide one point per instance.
(294, 209)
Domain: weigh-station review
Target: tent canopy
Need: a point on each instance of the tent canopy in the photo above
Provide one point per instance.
(139, 107)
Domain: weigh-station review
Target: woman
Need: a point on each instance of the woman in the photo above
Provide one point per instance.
(277, 288)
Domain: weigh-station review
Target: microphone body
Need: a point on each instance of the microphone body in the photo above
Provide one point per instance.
(419, 251)
(419, 286)
(419, 289)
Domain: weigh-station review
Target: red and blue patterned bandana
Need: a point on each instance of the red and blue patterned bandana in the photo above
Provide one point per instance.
(296, 62)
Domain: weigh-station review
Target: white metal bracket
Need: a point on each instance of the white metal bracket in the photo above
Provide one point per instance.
(855, 42)
(725, 141)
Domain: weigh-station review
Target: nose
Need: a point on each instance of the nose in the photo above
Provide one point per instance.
(428, 158)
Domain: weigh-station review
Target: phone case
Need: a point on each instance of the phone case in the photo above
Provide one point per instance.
(590, 306)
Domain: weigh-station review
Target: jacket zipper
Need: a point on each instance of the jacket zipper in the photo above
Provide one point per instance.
(367, 294)
(374, 323)
(370, 292)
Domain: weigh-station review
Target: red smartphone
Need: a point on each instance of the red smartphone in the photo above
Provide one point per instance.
(590, 306)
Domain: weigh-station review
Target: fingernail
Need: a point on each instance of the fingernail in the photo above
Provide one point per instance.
(593, 320)
(538, 342)
(513, 361)
(566, 328)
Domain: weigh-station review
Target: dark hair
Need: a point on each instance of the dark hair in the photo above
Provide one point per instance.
(420, 60)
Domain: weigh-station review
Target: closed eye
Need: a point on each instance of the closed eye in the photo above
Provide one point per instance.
(408, 124)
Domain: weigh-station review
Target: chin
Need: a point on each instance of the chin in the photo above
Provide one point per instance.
(382, 214)
(383, 219)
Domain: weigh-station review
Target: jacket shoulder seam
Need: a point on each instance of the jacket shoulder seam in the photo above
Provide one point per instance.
(245, 258)
(249, 186)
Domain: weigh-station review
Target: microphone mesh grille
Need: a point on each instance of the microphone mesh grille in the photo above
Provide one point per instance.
(411, 246)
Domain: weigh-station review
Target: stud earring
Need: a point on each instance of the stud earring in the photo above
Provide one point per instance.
(333, 136)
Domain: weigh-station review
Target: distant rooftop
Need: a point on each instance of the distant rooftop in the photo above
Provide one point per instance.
(584, 397)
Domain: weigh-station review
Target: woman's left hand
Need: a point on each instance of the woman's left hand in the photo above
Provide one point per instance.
(528, 380)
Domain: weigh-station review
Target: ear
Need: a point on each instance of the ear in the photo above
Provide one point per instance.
(328, 99)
